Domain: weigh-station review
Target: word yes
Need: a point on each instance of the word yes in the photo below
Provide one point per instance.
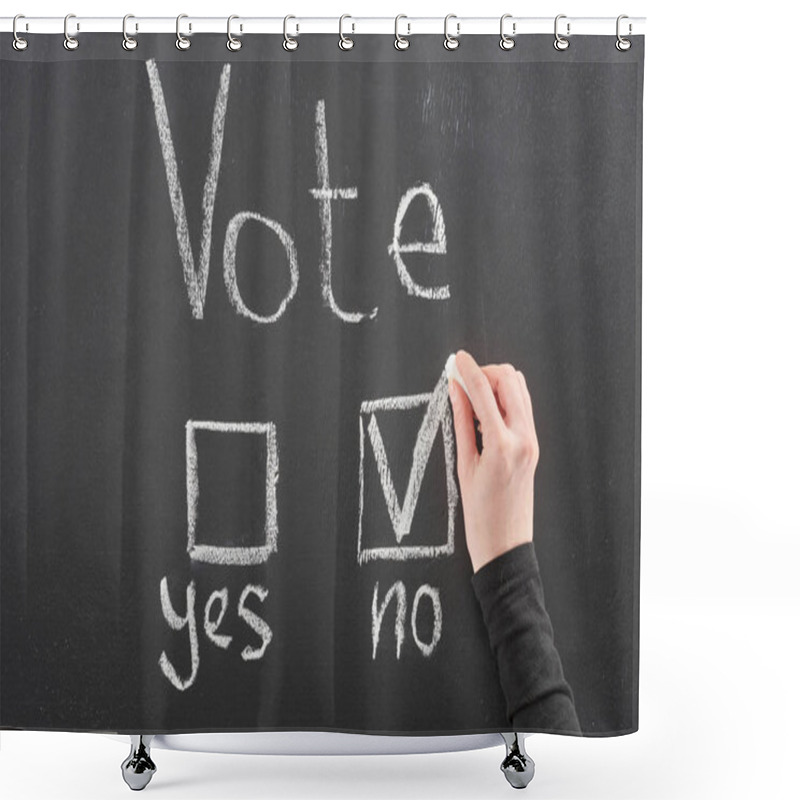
(177, 623)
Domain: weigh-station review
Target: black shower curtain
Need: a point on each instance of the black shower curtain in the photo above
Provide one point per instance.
(229, 283)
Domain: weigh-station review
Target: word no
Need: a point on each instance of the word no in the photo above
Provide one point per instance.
(398, 591)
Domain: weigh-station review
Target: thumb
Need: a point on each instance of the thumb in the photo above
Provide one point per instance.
(466, 445)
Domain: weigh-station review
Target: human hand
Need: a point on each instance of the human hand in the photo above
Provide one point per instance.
(496, 484)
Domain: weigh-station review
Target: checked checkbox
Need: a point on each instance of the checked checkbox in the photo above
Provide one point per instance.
(437, 417)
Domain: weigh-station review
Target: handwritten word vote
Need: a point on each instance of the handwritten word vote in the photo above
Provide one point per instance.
(196, 275)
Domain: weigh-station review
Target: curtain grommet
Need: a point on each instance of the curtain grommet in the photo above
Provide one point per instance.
(181, 42)
(401, 42)
(289, 43)
(70, 42)
(19, 43)
(451, 42)
(622, 44)
(507, 42)
(128, 42)
(560, 42)
(345, 42)
(233, 44)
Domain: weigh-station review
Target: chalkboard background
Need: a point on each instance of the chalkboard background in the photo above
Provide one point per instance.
(534, 157)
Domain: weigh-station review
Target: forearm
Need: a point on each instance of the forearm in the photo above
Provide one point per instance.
(509, 590)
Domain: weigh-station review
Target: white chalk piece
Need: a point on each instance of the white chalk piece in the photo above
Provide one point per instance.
(452, 372)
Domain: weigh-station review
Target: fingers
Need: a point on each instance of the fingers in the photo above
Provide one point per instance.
(529, 405)
(505, 381)
(527, 397)
(513, 398)
(481, 392)
(466, 446)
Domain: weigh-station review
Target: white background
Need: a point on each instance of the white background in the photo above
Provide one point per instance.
(719, 696)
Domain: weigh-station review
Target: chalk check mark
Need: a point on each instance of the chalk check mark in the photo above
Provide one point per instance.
(436, 412)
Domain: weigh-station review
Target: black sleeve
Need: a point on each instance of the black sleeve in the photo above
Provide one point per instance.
(509, 591)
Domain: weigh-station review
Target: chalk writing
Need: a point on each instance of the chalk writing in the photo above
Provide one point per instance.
(438, 416)
(398, 590)
(324, 193)
(437, 412)
(427, 591)
(437, 246)
(219, 554)
(196, 276)
(211, 627)
(196, 280)
(229, 264)
(177, 623)
(254, 621)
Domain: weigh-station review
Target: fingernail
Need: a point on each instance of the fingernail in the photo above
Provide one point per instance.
(450, 387)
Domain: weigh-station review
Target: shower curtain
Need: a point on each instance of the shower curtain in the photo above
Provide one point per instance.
(230, 282)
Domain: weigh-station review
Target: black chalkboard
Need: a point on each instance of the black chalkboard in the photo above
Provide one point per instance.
(211, 353)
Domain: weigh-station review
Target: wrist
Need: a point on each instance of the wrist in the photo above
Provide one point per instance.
(496, 549)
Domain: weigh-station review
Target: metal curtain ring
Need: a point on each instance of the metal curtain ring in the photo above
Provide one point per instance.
(128, 42)
(451, 42)
(288, 42)
(623, 44)
(506, 41)
(182, 43)
(560, 42)
(70, 42)
(19, 43)
(400, 42)
(233, 43)
(344, 41)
